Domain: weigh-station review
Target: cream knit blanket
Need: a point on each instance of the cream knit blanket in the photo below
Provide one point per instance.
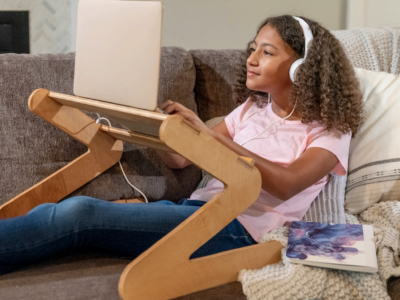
(372, 48)
(293, 281)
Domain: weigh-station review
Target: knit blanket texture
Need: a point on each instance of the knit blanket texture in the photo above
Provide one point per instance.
(372, 48)
(294, 281)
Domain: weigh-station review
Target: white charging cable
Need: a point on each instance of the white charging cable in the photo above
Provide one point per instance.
(99, 118)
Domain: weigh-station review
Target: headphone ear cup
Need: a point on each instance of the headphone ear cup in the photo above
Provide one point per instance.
(294, 67)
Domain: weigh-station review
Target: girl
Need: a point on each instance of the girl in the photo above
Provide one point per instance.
(295, 124)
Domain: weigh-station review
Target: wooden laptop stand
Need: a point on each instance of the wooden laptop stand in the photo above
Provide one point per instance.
(164, 271)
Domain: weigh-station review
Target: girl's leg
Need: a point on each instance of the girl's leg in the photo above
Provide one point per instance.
(233, 236)
(126, 229)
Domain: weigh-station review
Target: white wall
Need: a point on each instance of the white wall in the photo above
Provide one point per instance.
(74, 19)
(230, 24)
(207, 24)
(373, 13)
(223, 24)
(191, 24)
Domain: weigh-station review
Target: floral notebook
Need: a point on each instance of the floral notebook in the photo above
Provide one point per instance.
(338, 246)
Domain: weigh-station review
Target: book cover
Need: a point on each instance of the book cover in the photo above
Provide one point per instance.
(338, 246)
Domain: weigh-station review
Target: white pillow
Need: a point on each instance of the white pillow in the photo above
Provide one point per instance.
(328, 207)
(374, 158)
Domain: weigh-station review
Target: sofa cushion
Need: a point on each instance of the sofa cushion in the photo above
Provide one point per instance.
(215, 75)
(83, 275)
(374, 158)
(32, 149)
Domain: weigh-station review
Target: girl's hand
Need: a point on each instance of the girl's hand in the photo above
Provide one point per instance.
(174, 108)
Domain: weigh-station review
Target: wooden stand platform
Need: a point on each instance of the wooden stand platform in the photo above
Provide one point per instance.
(164, 271)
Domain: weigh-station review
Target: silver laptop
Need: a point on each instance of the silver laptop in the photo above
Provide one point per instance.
(118, 45)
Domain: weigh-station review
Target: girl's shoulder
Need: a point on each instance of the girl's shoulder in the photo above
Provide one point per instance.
(250, 107)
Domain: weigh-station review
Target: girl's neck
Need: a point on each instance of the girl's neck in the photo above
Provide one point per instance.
(281, 107)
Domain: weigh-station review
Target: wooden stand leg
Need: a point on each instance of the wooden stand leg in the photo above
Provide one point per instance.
(104, 151)
(164, 271)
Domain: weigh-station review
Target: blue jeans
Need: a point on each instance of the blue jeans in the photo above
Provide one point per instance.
(126, 229)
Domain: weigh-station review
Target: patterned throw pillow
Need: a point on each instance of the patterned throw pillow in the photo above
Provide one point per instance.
(374, 158)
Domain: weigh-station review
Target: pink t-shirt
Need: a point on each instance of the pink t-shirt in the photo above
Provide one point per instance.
(282, 144)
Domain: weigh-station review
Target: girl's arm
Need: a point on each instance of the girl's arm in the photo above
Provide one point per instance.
(281, 182)
(173, 160)
(176, 161)
(285, 182)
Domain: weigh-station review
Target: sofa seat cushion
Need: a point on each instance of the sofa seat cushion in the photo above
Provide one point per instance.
(82, 275)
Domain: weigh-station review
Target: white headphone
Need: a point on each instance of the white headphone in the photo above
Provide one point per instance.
(308, 38)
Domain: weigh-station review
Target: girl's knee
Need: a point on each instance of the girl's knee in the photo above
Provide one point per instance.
(41, 207)
(76, 203)
(77, 206)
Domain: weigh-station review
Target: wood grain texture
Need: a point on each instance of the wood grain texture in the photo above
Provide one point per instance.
(103, 152)
(134, 119)
(164, 271)
(136, 138)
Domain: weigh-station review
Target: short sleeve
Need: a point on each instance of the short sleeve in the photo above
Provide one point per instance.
(234, 119)
(336, 143)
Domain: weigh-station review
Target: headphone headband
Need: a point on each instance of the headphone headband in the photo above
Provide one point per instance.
(308, 39)
(307, 34)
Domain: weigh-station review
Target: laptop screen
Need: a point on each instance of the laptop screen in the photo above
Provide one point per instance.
(118, 48)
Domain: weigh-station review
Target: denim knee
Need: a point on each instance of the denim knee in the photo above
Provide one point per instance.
(41, 207)
(73, 204)
(77, 207)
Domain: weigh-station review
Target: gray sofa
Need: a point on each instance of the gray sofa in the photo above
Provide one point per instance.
(31, 149)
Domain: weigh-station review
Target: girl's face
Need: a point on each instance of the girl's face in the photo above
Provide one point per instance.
(269, 62)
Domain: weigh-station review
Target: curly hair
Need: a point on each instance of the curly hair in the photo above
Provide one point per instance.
(326, 88)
